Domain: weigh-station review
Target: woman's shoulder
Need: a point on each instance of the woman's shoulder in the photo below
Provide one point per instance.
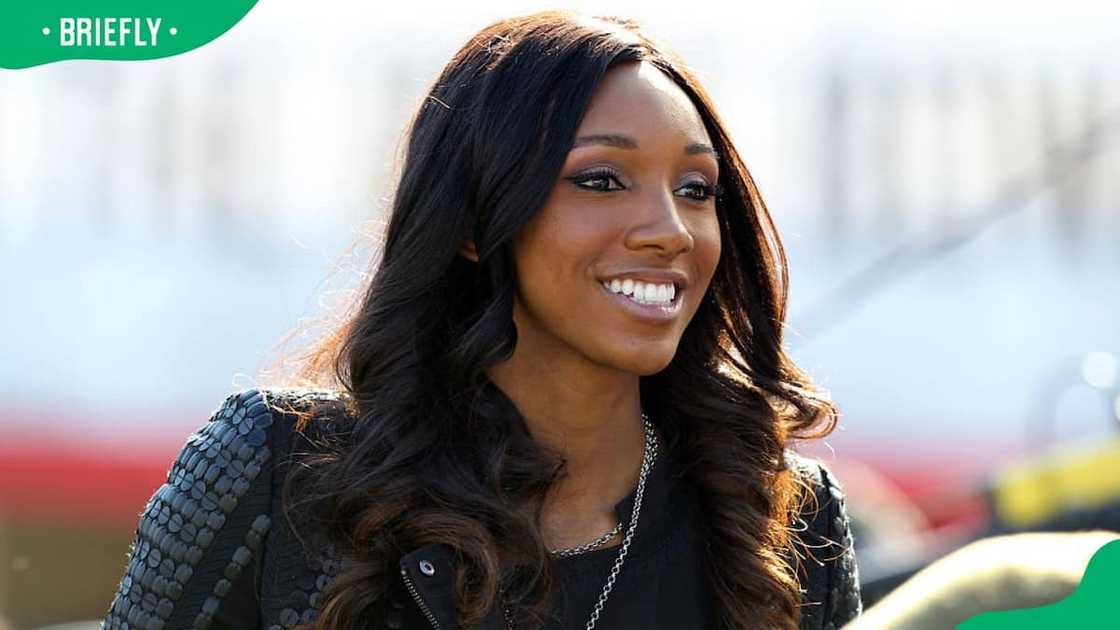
(262, 406)
(197, 547)
(299, 400)
(268, 423)
(824, 492)
(311, 414)
(813, 471)
(826, 551)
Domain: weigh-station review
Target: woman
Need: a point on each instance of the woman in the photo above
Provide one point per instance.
(561, 402)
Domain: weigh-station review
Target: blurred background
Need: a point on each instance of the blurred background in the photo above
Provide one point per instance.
(946, 180)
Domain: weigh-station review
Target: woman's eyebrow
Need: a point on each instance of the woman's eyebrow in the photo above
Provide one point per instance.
(620, 141)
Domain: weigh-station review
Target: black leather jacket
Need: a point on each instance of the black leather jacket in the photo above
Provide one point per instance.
(212, 549)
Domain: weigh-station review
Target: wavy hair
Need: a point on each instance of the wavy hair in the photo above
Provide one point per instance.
(433, 452)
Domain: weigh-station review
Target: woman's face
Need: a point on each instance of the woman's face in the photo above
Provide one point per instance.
(633, 208)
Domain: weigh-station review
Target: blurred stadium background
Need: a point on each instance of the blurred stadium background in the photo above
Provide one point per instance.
(946, 182)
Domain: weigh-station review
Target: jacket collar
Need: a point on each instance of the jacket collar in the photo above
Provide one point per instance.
(429, 570)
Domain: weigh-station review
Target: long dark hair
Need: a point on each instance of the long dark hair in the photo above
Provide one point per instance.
(435, 453)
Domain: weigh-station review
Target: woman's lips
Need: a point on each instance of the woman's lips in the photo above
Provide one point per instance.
(653, 313)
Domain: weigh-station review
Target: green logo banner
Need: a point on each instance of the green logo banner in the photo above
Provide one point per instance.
(1092, 605)
(35, 32)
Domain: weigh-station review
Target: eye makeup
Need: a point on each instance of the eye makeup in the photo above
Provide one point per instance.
(705, 191)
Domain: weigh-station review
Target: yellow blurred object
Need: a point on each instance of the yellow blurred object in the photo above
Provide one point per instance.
(1031, 491)
(998, 573)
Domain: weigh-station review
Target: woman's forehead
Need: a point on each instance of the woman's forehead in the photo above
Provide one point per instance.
(637, 99)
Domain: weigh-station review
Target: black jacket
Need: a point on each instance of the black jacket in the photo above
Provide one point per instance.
(213, 550)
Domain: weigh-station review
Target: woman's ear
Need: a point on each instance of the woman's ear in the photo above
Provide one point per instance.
(467, 250)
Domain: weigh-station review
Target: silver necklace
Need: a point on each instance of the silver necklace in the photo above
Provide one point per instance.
(649, 454)
(591, 546)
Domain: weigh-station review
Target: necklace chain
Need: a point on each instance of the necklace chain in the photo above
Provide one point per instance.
(591, 546)
(649, 454)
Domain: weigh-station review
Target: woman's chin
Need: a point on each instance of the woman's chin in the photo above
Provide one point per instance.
(645, 363)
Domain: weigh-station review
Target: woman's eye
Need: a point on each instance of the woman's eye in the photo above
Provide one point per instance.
(599, 180)
(701, 191)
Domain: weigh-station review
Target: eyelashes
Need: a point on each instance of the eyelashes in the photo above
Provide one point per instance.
(710, 191)
(702, 191)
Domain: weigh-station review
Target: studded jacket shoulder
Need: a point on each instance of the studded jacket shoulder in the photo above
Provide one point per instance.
(826, 558)
(213, 549)
(208, 551)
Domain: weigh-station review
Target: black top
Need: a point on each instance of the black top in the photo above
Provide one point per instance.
(212, 549)
(661, 584)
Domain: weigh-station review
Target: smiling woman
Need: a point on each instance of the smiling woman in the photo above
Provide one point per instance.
(561, 402)
(633, 207)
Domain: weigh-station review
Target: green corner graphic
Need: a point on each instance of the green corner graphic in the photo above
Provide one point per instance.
(1090, 606)
(35, 32)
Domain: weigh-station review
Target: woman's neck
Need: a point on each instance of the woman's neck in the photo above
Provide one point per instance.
(593, 421)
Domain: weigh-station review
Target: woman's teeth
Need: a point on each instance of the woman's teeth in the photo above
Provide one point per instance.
(643, 292)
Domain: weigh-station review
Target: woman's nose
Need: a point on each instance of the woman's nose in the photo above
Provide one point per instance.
(659, 225)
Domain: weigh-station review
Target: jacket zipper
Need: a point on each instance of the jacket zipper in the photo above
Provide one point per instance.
(419, 601)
